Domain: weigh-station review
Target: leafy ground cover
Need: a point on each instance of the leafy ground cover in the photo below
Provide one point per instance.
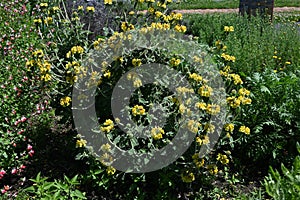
(203, 4)
(43, 48)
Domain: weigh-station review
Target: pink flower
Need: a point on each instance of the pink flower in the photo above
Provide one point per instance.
(14, 171)
(29, 147)
(23, 119)
(2, 172)
(31, 152)
(22, 167)
(3, 191)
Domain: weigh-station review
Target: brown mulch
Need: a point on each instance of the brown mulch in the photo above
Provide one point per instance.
(236, 10)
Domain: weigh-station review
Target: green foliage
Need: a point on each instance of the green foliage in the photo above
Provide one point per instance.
(285, 184)
(212, 4)
(22, 95)
(267, 59)
(57, 189)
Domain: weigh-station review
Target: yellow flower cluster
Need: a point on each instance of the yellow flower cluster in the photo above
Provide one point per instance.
(184, 90)
(193, 126)
(75, 50)
(138, 110)
(201, 105)
(108, 125)
(43, 65)
(73, 70)
(43, 5)
(210, 128)
(109, 2)
(136, 62)
(187, 176)
(137, 82)
(229, 127)
(180, 28)
(223, 158)
(213, 169)
(196, 77)
(175, 61)
(159, 26)
(106, 159)
(213, 109)
(205, 91)
(157, 133)
(81, 143)
(245, 129)
(90, 9)
(126, 27)
(236, 79)
(97, 42)
(228, 28)
(48, 20)
(105, 147)
(65, 101)
(198, 163)
(228, 57)
(203, 139)
(110, 170)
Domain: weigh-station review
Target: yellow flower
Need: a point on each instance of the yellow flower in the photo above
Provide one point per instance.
(81, 143)
(274, 57)
(205, 91)
(137, 83)
(223, 159)
(203, 140)
(107, 74)
(213, 109)
(180, 28)
(287, 62)
(246, 101)
(44, 5)
(108, 125)
(196, 77)
(158, 14)
(229, 127)
(106, 159)
(65, 101)
(187, 176)
(236, 79)
(105, 147)
(157, 133)
(151, 10)
(131, 13)
(38, 53)
(55, 8)
(213, 169)
(80, 8)
(233, 102)
(209, 128)
(46, 77)
(244, 92)
(175, 62)
(196, 160)
(108, 2)
(136, 62)
(138, 110)
(201, 105)
(110, 170)
(90, 9)
(193, 126)
(48, 20)
(244, 129)
(228, 28)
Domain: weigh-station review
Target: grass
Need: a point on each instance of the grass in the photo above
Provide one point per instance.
(209, 4)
